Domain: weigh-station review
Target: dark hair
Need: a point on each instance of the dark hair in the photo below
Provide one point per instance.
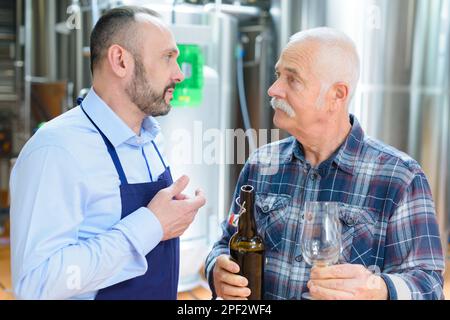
(112, 28)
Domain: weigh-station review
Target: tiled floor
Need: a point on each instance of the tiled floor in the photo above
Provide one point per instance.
(199, 293)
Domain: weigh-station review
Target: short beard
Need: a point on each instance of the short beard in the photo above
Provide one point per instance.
(144, 96)
(282, 105)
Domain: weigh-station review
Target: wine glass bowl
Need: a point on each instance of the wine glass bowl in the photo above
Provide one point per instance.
(321, 234)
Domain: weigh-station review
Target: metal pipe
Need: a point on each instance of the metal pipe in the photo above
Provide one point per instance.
(79, 51)
(243, 99)
(241, 12)
(95, 12)
(227, 71)
(19, 70)
(51, 36)
(26, 110)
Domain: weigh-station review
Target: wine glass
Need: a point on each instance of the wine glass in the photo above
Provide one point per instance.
(321, 235)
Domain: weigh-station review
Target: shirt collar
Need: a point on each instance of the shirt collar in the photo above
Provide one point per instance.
(113, 127)
(345, 156)
(349, 152)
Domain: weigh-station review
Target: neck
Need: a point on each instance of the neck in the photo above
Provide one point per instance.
(319, 144)
(119, 102)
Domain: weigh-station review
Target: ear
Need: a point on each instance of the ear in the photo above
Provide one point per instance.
(339, 95)
(119, 61)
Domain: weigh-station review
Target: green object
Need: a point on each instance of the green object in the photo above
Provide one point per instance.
(189, 93)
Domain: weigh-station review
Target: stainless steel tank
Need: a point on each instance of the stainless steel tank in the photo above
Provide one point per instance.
(403, 94)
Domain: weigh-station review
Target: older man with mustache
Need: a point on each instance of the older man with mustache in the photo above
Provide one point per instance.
(391, 243)
(94, 211)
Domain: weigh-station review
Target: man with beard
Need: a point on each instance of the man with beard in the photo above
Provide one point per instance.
(391, 247)
(94, 212)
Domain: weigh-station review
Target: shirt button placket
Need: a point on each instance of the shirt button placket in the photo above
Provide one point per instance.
(313, 181)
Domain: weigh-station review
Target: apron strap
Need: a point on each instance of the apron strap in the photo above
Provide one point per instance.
(146, 163)
(159, 154)
(111, 150)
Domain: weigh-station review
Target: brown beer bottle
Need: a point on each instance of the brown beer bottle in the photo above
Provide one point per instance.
(247, 247)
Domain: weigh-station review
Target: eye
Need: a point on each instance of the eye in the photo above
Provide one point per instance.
(291, 79)
(168, 56)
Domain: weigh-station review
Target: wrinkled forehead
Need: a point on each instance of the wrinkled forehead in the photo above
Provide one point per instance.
(298, 57)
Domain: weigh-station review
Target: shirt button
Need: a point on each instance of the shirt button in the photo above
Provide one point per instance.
(299, 258)
(314, 176)
(266, 208)
(350, 222)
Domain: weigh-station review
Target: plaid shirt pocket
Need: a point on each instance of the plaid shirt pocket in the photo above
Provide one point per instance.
(271, 211)
(358, 230)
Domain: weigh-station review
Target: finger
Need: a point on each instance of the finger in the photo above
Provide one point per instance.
(241, 292)
(199, 192)
(232, 279)
(321, 293)
(340, 271)
(178, 186)
(194, 203)
(224, 262)
(348, 285)
(225, 297)
(181, 196)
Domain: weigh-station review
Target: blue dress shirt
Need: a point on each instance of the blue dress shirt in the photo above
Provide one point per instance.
(67, 238)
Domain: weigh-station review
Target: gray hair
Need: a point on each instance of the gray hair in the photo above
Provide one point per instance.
(336, 58)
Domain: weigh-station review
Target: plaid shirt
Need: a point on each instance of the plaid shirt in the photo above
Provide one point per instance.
(388, 220)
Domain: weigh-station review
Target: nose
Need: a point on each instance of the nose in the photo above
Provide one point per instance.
(178, 75)
(276, 90)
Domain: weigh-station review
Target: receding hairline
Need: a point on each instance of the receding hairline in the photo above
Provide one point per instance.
(121, 26)
(319, 44)
(144, 17)
(318, 38)
(141, 21)
(141, 25)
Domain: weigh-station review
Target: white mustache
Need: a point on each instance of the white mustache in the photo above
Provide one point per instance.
(283, 106)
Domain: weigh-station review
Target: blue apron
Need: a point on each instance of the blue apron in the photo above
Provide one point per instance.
(160, 282)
